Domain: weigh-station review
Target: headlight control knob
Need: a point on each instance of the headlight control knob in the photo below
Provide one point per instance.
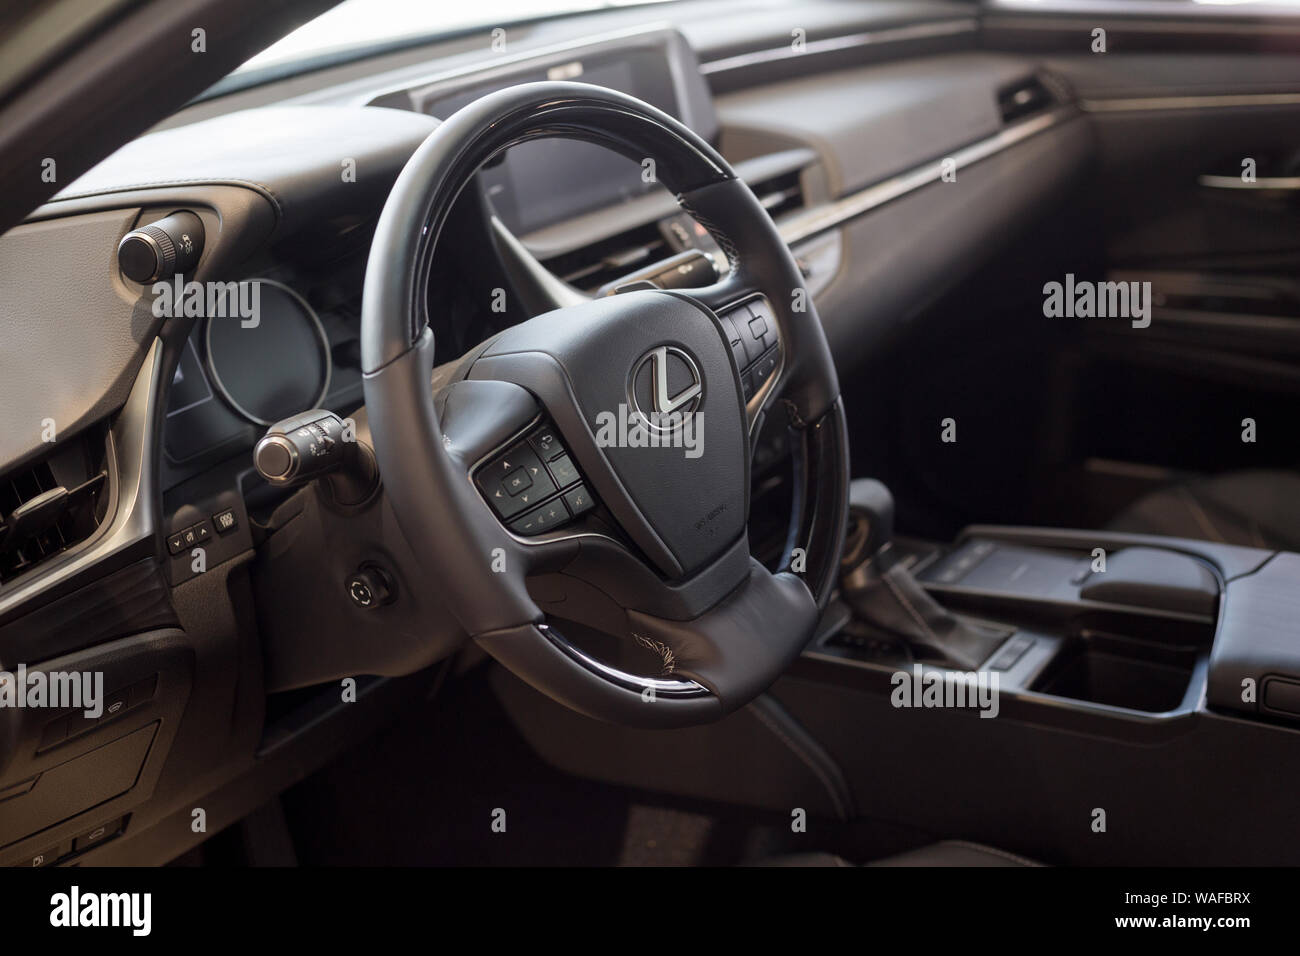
(161, 249)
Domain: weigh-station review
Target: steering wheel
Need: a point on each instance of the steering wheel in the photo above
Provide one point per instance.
(667, 548)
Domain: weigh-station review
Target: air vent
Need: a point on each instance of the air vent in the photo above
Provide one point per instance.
(592, 266)
(49, 506)
(1024, 98)
(780, 195)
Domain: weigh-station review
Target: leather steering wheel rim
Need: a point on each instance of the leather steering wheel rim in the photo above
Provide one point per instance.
(723, 640)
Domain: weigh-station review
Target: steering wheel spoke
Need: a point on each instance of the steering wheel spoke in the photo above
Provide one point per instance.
(747, 322)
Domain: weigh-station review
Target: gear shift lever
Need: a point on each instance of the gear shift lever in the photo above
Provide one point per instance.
(871, 522)
(883, 593)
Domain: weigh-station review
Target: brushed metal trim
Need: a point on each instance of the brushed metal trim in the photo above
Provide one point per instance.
(132, 517)
(921, 31)
(1262, 184)
(658, 686)
(1138, 104)
(828, 216)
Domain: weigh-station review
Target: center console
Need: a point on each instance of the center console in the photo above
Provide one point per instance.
(1135, 701)
(1147, 694)
(1100, 625)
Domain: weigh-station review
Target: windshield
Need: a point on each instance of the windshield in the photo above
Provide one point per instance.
(356, 25)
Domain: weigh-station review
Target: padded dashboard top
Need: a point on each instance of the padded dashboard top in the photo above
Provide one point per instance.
(871, 122)
(296, 156)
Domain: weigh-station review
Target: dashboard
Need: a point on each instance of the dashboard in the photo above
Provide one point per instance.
(898, 145)
(586, 215)
(842, 143)
(557, 214)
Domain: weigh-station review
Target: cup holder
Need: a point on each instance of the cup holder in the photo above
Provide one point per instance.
(1119, 672)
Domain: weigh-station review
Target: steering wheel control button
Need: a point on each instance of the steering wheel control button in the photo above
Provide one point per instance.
(564, 471)
(733, 339)
(370, 587)
(751, 343)
(579, 500)
(528, 479)
(764, 367)
(541, 519)
(762, 325)
(546, 443)
(517, 481)
(176, 543)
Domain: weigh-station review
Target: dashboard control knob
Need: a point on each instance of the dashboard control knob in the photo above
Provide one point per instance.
(161, 249)
(275, 458)
(315, 445)
(301, 448)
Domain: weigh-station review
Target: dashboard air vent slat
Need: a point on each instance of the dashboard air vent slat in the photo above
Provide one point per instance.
(52, 504)
(781, 195)
(777, 179)
(1024, 98)
(592, 266)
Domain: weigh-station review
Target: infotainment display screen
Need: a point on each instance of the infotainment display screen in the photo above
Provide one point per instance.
(546, 181)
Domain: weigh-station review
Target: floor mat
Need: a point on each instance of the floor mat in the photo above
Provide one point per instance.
(453, 784)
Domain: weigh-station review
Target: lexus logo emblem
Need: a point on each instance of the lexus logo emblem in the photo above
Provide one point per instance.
(665, 381)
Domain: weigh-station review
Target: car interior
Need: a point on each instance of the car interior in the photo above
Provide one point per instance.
(682, 433)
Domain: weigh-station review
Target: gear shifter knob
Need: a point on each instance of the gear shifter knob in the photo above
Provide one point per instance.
(871, 516)
(884, 595)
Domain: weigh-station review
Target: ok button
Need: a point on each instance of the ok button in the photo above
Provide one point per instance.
(516, 482)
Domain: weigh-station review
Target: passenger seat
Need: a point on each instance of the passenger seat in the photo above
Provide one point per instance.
(1259, 508)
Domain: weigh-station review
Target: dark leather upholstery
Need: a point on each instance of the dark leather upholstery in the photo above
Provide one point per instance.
(945, 853)
(1259, 508)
